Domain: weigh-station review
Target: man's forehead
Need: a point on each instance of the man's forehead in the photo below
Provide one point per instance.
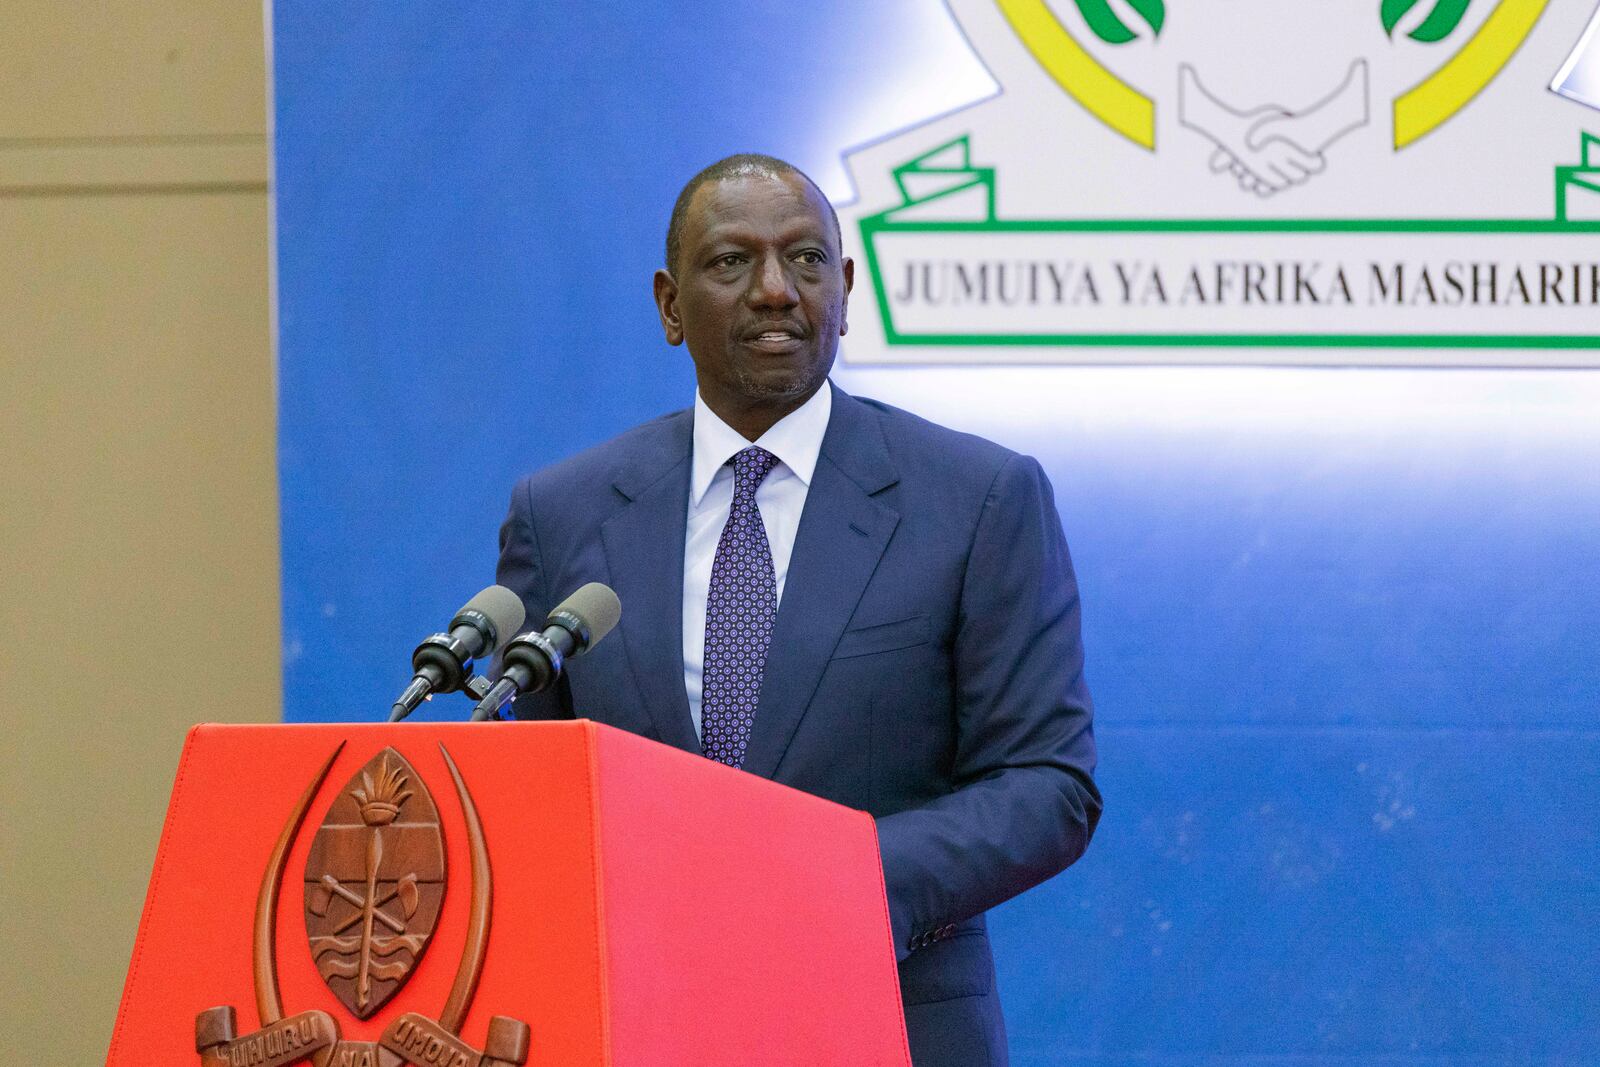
(745, 202)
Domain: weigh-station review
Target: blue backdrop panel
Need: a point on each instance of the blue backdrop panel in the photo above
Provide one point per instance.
(1341, 626)
(1334, 895)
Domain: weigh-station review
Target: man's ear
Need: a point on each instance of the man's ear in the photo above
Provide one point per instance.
(844, 305)
(666, 290)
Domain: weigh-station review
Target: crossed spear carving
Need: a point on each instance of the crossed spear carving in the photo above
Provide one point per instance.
(331, 887)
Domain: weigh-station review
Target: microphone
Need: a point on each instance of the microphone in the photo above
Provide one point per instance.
(443, 661)
(533, 660)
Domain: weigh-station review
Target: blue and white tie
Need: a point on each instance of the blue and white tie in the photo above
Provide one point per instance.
(740, 607)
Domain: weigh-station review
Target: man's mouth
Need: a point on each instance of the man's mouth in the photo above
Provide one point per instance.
(776, 339)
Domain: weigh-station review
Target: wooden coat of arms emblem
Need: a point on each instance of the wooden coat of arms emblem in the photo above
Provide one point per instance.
(374, 883)
(374, 886)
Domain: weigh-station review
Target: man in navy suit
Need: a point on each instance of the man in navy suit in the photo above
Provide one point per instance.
(831, 593)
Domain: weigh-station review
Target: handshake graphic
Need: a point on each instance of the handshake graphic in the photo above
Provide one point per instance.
(1269, 148)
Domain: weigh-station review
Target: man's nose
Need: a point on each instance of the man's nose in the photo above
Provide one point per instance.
(772, 287)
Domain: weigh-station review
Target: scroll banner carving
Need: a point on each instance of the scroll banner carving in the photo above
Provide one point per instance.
(286, 1041)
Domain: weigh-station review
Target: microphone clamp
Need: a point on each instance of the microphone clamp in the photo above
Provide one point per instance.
(574, 625)
(517, 654)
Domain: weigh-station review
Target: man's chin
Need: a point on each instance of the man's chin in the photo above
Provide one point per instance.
(781, 388)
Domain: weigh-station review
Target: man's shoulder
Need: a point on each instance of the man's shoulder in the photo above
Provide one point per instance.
(922, 447)
(626, 458)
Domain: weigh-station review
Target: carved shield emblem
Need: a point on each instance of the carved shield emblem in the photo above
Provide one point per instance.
(375, 881)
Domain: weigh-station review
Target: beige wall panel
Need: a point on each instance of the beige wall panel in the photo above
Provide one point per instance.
(138, 501)
(138, 561)
(131, 68)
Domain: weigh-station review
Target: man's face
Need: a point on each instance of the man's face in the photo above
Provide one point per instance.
(758, 294)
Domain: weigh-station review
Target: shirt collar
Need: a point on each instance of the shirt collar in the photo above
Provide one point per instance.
(796, 439)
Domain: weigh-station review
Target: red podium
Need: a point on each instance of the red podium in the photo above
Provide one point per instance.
(479, 895)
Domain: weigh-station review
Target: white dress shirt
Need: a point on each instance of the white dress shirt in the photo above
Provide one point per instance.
(796, 439)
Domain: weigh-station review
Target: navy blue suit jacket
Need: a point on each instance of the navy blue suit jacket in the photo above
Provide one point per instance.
(925, 667)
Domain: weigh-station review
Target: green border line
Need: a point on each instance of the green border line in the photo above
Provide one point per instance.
(874, 225)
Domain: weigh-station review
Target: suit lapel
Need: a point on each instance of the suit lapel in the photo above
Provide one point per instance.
(843, 533)
(644, 551)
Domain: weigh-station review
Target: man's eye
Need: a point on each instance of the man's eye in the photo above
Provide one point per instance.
(812, 256)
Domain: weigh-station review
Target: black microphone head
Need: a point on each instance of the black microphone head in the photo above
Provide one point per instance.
(596, 610)
(500, 608)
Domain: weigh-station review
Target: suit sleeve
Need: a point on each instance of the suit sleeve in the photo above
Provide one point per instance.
(1024, 803)
(521, 570)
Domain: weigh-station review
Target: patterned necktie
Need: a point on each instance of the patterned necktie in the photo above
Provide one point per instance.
(740, 606)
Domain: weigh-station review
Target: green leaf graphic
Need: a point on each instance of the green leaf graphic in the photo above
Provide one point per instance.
(1442, 19)
(1111, 29)
(1393, 11)
(1152, 11)
(1445, 17)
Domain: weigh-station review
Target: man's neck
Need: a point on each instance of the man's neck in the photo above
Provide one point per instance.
(752, 419)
